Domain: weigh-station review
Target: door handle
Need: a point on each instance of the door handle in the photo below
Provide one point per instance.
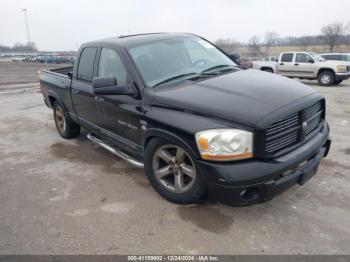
(281, 63)
(75, 91)
(296, 64)
(99, 99)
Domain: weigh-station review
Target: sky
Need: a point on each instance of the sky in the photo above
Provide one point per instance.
(65, 24)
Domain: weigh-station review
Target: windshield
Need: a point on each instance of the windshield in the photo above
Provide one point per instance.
(317, 57)
(176, 59)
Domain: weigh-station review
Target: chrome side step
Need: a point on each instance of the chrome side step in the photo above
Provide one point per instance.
(115, 151)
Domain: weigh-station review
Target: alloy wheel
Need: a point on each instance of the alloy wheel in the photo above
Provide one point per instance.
(325, 79)
(60, 119)
(174, 169)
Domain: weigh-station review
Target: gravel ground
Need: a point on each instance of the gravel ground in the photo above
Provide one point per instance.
(71, 197)
(22, 72)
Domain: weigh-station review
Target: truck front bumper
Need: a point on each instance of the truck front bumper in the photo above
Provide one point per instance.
(253, 181)
(342, 76)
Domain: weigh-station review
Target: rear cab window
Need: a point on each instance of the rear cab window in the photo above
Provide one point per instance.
(86, 64)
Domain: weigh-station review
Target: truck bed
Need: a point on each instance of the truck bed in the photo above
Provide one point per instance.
(56, 83)
(61, 71)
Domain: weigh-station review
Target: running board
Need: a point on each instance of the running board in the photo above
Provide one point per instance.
(115, 151)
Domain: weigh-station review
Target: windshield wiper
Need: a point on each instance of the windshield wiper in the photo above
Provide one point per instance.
(204, 73)
(173, 78)
(215, 67)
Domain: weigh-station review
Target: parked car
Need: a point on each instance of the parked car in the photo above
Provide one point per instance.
(269, 59)
(242, 61)
(179, 107)
(337, 57)
(18, 58)
(246, 62)
(267, 66)
(308, 65)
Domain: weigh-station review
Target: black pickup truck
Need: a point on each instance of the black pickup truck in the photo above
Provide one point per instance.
(178, 106)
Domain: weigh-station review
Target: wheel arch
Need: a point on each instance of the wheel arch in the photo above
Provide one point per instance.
(52, 100)
(264, 68)
(324, 69)
(53, 97)
(167, 135)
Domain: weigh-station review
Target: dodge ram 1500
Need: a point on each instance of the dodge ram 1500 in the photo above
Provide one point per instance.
(178, 106)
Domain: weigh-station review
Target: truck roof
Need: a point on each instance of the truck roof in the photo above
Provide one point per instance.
(126, 40)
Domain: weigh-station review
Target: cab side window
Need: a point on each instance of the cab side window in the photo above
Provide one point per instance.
(111, 65)
(287, 57)
(303, 58)
(86, 64)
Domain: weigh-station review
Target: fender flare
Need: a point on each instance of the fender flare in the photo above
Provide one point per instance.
(161, 133)
(54, 95)
(325, 69)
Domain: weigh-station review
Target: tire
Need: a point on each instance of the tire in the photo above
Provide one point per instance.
(337, 82)
(65, 126)
(326, 78)
(174, 184)
(269, 70)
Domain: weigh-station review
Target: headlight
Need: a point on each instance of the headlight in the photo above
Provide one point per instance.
(225, 144)
(342, 68)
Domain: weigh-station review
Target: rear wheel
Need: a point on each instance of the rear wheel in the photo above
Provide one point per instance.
(326, 78)
(172, 172)
(269, 70)
(65, 126)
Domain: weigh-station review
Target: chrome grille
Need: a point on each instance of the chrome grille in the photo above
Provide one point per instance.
(313, 115)
(289, 131)
(282, 133)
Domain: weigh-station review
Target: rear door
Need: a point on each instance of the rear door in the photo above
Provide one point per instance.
(286, 65)
(81, 87)
(304, 65)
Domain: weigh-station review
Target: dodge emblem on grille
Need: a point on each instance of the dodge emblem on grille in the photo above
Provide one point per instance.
(304, 125)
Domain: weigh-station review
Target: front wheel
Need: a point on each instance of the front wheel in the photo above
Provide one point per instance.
(65, 126)
(326, 78)
(172, 172)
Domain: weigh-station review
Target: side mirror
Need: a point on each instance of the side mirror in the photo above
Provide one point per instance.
(235, 58)
(108, 86)
(70, 74)
(99, 82)
(311, 61)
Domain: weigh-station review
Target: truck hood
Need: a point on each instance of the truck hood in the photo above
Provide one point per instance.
(243, 97)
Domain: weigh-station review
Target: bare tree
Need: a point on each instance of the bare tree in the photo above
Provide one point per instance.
(331, 33)
(228, 45)
(254, 45)
(28, 47)
(347, 28)
(270, 39)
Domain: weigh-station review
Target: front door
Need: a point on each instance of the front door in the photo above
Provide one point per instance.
(119, 114)
(304, 65)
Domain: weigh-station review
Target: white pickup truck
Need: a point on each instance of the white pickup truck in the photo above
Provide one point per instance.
(307, 65)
